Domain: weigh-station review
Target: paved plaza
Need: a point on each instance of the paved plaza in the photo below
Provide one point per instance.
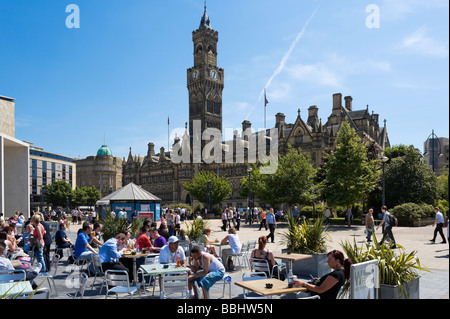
(435, 257)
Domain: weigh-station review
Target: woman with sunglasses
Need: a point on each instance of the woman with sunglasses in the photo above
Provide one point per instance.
(328, 286)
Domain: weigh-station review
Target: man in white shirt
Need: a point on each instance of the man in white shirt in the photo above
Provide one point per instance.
(172, 252)
(438, 223)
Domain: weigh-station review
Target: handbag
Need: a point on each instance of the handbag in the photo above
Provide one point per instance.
(445, 223)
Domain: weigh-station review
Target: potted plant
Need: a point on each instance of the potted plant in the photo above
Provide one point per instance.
(115, 225)
(305, 237)
(397, 270)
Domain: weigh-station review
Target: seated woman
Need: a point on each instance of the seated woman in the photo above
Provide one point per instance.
(233, 240)
(204, 240)
(262, 253)
(329, 285)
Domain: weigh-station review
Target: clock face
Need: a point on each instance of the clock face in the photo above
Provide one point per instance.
(214, 74)
(195, 74)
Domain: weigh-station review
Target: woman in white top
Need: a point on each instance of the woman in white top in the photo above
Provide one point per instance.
(233, 240)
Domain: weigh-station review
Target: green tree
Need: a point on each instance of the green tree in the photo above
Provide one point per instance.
(349, 175)
(443, 185)
(85, 196)
(292, 183)
(92, 195)
(409, 180)
(58, 193)
(198, 187)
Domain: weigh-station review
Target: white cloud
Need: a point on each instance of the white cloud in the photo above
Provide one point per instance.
(420, 42)
(400, 9)
(317, 73)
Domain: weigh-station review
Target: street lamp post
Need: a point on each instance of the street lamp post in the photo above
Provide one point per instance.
(209, 195)
(249, 170)
(431, 143)
(383, 160)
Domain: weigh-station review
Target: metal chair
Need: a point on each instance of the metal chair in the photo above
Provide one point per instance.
(247, 276)
(174, 283)
(262, 265)
(50, 275)
(241, 255)
(12, 275)
(149, 259)
(310, 297)
(98, 270)
(43, 293)
(83, 277)
(121, 284)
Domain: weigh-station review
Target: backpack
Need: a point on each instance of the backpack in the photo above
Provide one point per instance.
(393, 220)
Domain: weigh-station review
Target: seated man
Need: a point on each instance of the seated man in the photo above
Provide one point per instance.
(143, 241)
(83, 250)
(172, 252)
(159, 241)
(61, 239)
(206, 271)
(109, 254)
(25, 239)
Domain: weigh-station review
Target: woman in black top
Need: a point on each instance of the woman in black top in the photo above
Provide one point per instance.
(329, 285)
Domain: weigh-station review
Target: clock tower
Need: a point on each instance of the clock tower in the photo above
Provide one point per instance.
(205, 81)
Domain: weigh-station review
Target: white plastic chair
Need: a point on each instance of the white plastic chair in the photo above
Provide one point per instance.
(174, 283)
(247, 276)
(121, 284)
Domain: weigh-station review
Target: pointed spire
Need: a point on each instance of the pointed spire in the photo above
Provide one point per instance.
(205, 22)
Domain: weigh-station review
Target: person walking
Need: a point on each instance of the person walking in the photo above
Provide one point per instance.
(263, 220)
(438, 224)
(369, 225)
(271, 221)
(386, 222)
(349, 216)
(224, 220)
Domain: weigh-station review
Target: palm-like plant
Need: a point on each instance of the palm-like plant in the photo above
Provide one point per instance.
(395, 269)
(305, 237)
(115, 225)
(195, 228)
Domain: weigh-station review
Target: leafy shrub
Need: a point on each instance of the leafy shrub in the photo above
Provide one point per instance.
(308, 211)
(407, 212)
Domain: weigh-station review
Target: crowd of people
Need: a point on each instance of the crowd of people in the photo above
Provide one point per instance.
(205, 265)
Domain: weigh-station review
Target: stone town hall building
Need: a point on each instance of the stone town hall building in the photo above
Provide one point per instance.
(205, 82)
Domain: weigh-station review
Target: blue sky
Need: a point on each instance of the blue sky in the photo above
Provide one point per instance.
(123, 72)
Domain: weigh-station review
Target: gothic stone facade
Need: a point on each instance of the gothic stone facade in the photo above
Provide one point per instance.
(205, 82)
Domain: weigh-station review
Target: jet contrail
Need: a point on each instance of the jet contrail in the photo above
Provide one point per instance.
(285, 59)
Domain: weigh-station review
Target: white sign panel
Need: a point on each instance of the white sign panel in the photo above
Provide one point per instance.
(364, 279)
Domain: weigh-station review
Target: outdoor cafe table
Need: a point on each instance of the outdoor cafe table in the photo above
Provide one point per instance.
(8, 289)
(135, 257)
(290, 257)
(259, 287)
(158, 269)
(219, 245)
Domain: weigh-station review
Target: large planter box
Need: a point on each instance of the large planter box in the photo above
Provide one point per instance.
(317, 266)
(393, 292)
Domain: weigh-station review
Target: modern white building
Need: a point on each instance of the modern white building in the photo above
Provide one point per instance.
(14, 164)
(14, 176)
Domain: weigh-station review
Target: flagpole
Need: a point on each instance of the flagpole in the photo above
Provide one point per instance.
(168, 134)
(265, 104)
